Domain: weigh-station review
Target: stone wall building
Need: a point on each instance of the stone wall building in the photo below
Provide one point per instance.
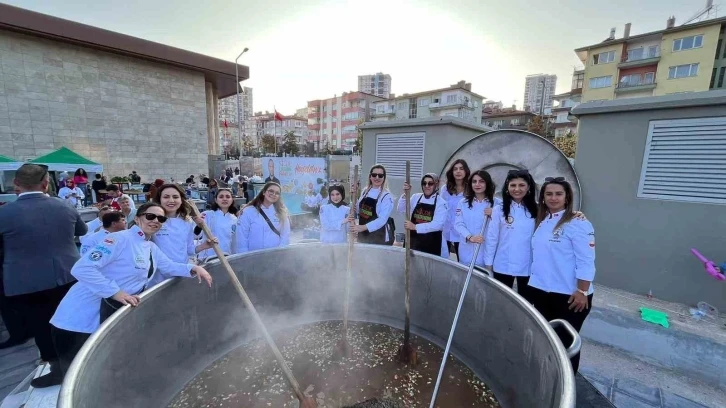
(124, 102)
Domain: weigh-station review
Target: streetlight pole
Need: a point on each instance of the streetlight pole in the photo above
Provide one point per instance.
(239, 117)
(541, 105)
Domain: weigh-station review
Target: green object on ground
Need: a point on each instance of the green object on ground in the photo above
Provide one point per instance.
(654, 316)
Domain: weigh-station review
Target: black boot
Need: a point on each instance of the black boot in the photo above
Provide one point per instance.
(54, 377)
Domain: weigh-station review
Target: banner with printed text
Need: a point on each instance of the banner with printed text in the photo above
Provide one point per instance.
(296, 175)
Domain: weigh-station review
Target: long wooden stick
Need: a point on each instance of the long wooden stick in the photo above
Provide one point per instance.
(407, 262)
(248, 303)
(351, 241)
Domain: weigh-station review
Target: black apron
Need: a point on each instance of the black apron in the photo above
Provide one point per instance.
(366, 214)
(110, 305)
(430, 242)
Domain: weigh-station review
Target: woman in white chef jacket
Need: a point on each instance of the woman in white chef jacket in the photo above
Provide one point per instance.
(471, 214)
(222, 221)
(334, 217)
(263, 223)
(374, 209)
(453, 191)
(176, 236)
(428, 216)
(111, 275)
(508, 248)
(563, 260)
(71, 193)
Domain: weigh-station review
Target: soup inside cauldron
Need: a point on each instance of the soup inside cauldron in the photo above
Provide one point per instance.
(371, 377)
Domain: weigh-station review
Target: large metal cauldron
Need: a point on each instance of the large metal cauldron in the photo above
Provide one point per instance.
(143, 357)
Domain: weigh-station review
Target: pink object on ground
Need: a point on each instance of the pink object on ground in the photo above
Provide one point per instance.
(709, 266)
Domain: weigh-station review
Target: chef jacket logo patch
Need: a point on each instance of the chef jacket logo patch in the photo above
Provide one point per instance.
(109, 241)
(510, 220)
(141, 234)
(95, 256)
(556, 234)
(592, 244)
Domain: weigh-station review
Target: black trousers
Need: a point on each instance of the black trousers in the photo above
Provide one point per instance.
(67, 344)
(454, 248)
(522, 282)
(37, 309)
(554, 306)
(12, 318)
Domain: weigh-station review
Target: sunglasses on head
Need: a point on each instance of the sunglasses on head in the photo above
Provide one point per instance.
(522, 172)
(378, 175)
(554, 179)
(151, 217)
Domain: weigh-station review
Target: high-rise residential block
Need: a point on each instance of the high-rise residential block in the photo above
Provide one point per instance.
(333, 122)
(538, 91)
(676, 59)
(377, 84)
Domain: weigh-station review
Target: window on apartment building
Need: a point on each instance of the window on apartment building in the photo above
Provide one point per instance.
(423, 101)
(392, 151)
(718, 48)
(713, 78)
(687, 43)
(514, 122)
(603, 58)
(683, 71)
(679, 160)
(720, 77)
(601, 82)
(402, 106)
(412, 108)
(451, 98)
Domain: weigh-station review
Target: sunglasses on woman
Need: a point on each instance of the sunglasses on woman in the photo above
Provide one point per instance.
(554, 179)
(151, 217)
(378, 175)
(428, 183)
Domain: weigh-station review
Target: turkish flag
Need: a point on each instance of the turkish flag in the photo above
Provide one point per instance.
(225, 123)
(278, 116)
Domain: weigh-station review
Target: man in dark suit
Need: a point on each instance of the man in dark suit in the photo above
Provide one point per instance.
(271, 177)
(39, 251)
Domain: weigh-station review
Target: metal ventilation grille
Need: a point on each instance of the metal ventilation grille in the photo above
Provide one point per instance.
(685, 160)
(392, 151)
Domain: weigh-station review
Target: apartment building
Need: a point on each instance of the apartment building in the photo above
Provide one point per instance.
(227, 107)
(457, 100)
(506, 118)
(677, 59)
(538, 91)
(491, 106)
(261, 124)
(377, 84)
(333, 122)
(562, 122)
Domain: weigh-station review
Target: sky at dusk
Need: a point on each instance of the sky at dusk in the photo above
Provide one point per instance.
(301, 51)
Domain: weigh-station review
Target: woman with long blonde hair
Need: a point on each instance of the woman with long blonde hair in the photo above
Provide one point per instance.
(264, 222)
(374, 210)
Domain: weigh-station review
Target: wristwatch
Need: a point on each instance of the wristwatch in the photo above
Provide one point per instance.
(467, 238)
(584, 292)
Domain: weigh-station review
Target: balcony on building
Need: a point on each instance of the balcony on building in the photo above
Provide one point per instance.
(388, 111)
(636, 83)
(459, 102)
(640, 56)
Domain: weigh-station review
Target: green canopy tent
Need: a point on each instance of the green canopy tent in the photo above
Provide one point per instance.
(65, 159)
(6, 163)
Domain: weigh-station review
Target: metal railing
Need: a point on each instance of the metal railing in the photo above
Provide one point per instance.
(632, 84)
(644, 54)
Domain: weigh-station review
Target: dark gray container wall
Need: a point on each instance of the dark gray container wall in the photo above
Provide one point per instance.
(644, 244)
(444, 136)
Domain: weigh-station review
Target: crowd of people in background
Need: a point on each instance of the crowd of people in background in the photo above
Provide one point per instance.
(535, 243)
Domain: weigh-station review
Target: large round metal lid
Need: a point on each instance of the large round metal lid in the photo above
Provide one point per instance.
(502, 150)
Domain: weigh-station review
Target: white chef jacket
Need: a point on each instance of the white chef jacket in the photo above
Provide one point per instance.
(441, 214)
(452, 202)
(119, 262)
(175, 238)
(223, 227)
(561, 257)
(508, 244)
(469, 221)
(254, 233)
(93, 225)
(332, 229)
(65, 193)
(384, 206)
(312, 201)
(90, 241)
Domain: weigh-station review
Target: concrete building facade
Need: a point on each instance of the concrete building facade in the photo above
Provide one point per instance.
(377, 84)
(333, 122)
(457, 100)
(507, 118)
(563, 123)
(124, 102)
(677, 59)
(264, 124)
(653, 186)
(533, 87)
